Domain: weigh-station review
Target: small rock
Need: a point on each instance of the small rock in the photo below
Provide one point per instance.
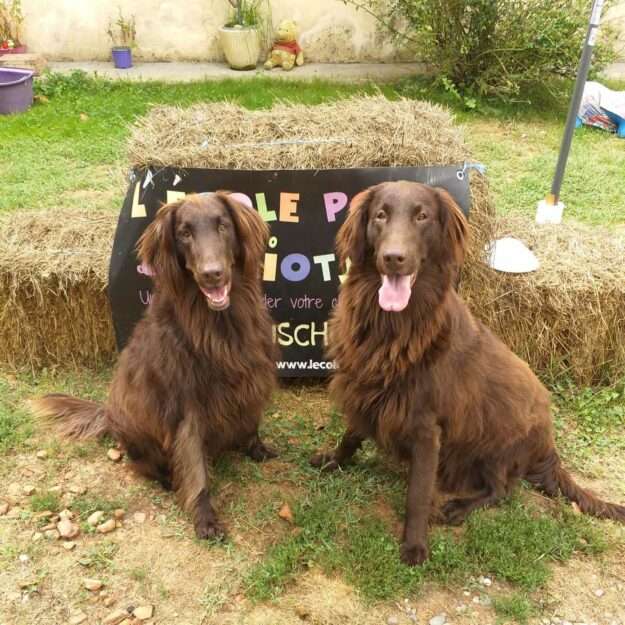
(118, 524)
(485, 581)
(69, 545)
(78, 618)
(599, 592)
(114, 618)
(143, 612)
(439, 619)
(128, 621)
(106, 527)
(114, 454)
(92, 584)
(67, 529)
(109, 602)
(461, 608)
(42, 454)
(139, 517)
(95, 518)
(56, 489)
(77, 489)
(286, 513)
(393, 620)
(66, 514)
(52, 534)
(37, 536)
(4, 508)
(119, 514)
(24, 558)
(466, 593)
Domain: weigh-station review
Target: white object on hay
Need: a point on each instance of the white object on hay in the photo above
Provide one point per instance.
(510, 255)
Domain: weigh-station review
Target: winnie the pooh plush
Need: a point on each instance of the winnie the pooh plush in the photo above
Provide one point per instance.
(285, 52)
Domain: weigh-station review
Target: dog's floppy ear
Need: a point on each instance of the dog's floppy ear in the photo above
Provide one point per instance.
(156, 248)
(351, 239)
(252, 233)
(454, 223)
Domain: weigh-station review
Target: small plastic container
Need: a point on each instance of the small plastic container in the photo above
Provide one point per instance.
(16, 90)
(122, 57)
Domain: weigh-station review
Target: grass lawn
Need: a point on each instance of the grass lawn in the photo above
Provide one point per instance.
(335, 558)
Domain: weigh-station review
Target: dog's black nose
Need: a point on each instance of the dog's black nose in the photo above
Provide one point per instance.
(213, 273)
(394, 260)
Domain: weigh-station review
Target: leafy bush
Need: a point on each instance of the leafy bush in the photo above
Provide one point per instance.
(493, 47)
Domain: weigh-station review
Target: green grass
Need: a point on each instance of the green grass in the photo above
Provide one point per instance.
(516, 608)
(15, 422)
(87, 504)
(45, 501)
(590, 421)
(100, 556)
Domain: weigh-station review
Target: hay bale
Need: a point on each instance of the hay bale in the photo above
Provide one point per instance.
(363, 131)
(568, 318)
(53, 276)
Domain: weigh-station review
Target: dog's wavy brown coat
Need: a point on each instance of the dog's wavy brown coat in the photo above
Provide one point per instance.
(432, 384)
(192, 382)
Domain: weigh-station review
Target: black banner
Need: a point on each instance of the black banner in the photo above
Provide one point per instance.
(304, 209)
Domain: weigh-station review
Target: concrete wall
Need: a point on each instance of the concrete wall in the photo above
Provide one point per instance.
(187, 29)
(616, 18)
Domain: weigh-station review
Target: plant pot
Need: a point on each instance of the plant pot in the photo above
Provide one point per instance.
(241, 46)
(16, 50)
(122, 57)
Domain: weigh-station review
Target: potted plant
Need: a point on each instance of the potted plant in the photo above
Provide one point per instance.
(122, 33)
(11, 20)
(241, 36)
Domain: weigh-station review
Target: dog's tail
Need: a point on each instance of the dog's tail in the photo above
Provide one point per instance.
(587, 501)
(551, 477)
(78, 419)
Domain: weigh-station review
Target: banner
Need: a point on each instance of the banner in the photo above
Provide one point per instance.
(303, 208)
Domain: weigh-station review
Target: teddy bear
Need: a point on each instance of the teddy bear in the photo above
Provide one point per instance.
(285, 52)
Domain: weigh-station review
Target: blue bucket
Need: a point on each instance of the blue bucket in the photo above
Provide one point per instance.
(16, 90)
(122, 58)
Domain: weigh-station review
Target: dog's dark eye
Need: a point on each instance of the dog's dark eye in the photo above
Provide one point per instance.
(422, 216)
(185, 233)
(381, 215)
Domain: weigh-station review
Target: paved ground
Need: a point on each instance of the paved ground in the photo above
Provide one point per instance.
(617, 70)
(184, 72)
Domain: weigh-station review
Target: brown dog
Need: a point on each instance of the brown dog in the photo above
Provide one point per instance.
(417, 373)
(199, 368)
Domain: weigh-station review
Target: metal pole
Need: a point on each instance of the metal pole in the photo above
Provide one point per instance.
(582, 74)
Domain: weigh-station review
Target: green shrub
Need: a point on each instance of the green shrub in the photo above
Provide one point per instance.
(494, 47)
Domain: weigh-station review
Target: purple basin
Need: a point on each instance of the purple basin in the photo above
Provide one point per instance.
(16, 90)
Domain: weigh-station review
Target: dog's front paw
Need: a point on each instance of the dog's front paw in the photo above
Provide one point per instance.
(210, 530)
(413, 554)
(325, 462)
(261, 452)
(454, 512)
